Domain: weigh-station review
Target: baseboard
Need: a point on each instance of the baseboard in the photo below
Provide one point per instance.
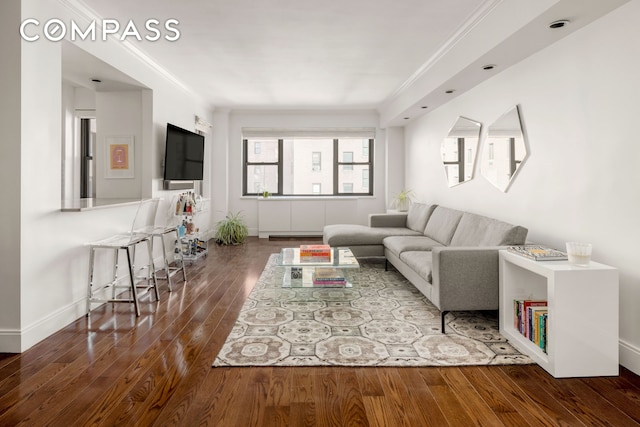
(49, 325)
(14, 341)
(630, 357)
(10, 340)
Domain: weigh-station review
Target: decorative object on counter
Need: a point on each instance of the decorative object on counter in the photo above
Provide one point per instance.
(231, 230)
(265, 194)
(403, 200)
(579, 253)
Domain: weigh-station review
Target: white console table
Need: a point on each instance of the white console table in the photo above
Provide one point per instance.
(582, 329)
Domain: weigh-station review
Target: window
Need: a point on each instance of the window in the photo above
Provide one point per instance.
(307, 165)
(347, 157)
(262, 168)
(454, 161)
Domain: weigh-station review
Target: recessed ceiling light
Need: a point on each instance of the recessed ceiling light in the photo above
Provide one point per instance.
(450, 91)
(96, 80)
(559, 23)
(489, 67)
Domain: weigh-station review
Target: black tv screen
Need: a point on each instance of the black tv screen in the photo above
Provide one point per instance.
(184, 155)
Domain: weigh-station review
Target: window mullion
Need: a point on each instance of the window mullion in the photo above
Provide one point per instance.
(336, 166)
(280, 166)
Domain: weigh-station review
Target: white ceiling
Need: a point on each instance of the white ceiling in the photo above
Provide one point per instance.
(340, 53)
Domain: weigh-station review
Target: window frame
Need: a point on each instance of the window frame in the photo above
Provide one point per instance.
(336, 165)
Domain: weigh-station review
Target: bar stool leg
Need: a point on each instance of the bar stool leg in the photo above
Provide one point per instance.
(152, 269)
(114, 273)
(180, 256)
(166, 262)
(164, 258)
(90, 287)
(133, 281)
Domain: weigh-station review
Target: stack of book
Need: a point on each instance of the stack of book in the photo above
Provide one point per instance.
(315, 253)
(530, 318)
(329, 277)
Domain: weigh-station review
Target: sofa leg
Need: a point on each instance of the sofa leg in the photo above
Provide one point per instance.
(443, 314)
(386, 264)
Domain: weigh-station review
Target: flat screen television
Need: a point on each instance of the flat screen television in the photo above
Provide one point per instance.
(184, 155)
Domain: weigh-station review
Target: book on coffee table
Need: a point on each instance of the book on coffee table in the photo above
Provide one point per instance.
(328, 276)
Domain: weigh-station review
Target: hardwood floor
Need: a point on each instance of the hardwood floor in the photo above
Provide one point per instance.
(116, 369)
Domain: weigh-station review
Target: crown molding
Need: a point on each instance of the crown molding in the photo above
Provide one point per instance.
(84, 12)
(476, 17)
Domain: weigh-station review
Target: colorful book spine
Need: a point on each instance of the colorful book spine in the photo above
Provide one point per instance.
(322, 251)
(530, 318)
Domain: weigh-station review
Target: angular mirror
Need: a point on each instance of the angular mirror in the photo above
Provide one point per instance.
(504, 151)
(459, 150)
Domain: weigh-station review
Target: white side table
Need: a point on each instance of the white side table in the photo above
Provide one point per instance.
(583, 308)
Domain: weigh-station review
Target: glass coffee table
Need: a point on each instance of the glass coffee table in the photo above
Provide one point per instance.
(309, 273)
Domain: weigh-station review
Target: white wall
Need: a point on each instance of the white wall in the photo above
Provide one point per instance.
(10, 114)
(578, 101)
(44, 257)
(118, 114)
(300, 119)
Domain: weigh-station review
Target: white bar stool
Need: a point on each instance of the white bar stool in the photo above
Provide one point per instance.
(127, 243)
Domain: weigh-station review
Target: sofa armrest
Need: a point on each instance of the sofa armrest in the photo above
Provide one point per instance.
(388, 220)
(466, 277)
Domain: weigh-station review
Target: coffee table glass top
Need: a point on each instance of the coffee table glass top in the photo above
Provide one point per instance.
(340, 258)
(314, 273)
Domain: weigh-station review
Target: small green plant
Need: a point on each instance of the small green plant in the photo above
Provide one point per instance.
(403, 200)
(265, 194)
(231, 230)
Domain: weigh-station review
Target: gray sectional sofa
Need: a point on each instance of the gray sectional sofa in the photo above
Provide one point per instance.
(451, 256)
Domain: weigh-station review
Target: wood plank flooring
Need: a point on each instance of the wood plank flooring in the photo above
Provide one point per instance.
(115, 369)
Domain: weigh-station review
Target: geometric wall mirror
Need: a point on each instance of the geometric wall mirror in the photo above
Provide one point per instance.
(504, 150)
(459, 151)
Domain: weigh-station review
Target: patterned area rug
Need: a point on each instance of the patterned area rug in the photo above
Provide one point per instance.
(382, 320)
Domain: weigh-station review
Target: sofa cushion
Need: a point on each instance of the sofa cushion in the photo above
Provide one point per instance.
(400, 244)
(442, 224)
(420, 262)
(418, 216)
(354, 234)
(477, 230)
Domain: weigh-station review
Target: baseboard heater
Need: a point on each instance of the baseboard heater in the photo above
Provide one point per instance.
(294, 237)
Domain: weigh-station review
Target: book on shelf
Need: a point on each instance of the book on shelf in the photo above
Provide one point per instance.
(538, 252)
(530, 319)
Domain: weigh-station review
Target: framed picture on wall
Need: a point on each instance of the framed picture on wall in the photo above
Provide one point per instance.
(119, 157)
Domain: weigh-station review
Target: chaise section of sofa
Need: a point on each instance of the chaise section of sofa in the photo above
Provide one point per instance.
(366, 241)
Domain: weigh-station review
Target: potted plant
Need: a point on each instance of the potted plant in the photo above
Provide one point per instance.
(403, 199)
(231, 230)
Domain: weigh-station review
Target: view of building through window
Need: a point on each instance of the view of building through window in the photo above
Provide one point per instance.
(308, 166)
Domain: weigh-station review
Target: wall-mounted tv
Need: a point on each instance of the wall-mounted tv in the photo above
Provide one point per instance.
(184, 155)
